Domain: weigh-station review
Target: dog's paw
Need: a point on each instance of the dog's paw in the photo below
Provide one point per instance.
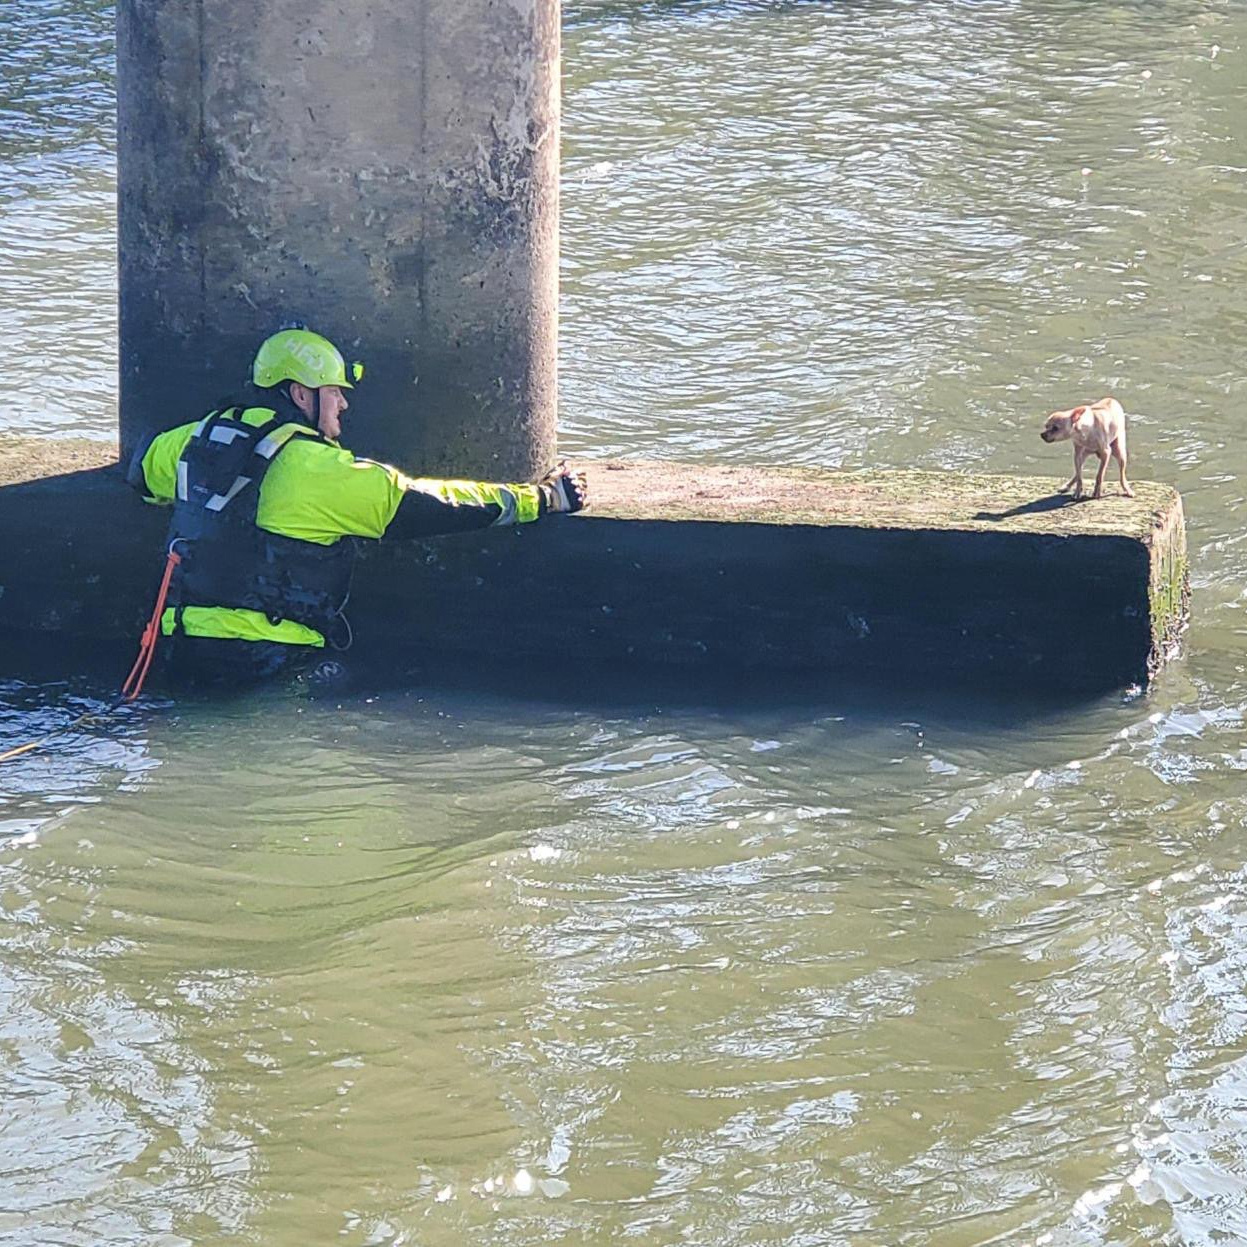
(1127, 492)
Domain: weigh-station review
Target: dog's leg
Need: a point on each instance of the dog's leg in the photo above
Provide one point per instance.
(1079, 456)
(1102, 456)
(1119, 453)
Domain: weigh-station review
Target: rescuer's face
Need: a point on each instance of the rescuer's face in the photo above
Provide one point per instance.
(332, 404)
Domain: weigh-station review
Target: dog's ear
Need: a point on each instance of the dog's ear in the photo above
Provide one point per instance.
(1076, 414)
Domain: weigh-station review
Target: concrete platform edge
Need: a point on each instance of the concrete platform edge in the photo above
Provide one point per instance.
(1089, 606)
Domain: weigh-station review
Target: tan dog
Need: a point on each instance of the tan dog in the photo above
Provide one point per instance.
(1098, 429)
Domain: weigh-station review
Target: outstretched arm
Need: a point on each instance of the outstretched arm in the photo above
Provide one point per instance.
(319, 492)
(430, 507)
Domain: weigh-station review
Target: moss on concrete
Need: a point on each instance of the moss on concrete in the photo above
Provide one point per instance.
(1169, 589)
(960, 501)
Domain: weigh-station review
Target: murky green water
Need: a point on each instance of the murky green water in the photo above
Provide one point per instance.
(442, 964)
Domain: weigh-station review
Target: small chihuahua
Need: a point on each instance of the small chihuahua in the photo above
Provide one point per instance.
(1098, 429)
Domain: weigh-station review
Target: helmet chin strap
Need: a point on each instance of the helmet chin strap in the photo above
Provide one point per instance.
(312, 417)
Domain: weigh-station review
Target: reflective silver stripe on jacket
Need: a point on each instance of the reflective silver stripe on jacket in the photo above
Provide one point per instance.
(268, 446)
(227, 434)
(218, 502)
(510, 508)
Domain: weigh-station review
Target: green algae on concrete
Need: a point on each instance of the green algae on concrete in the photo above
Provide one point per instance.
(1169, 600)
(923, 577)
(884, 498)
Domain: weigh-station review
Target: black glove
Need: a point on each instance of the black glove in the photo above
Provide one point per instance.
(564, 491)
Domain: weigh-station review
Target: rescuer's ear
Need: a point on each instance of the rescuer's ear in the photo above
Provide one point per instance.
(301, 397)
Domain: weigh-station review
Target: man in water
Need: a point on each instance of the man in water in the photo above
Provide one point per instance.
(266, 504)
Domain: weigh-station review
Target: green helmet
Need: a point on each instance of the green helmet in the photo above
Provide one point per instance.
(303, 356)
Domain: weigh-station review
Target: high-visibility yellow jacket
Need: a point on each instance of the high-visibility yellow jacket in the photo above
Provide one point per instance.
(283, 573)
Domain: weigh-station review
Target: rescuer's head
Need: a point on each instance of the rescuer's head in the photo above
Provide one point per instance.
(313, 373)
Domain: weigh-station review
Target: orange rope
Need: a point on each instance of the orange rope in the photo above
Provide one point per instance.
(60, 731)
(151, 633)
(138, 673)
(21, 749)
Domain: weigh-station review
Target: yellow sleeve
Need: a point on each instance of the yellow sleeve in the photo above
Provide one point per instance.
(516, 504)
(316, 491)
(159, 463)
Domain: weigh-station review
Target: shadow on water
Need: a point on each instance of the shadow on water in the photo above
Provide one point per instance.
(46, 680)
(626, 691)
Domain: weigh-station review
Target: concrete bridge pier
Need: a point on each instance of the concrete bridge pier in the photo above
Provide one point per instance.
(385, 171)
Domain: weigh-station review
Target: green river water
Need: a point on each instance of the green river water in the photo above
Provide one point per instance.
(455, 962)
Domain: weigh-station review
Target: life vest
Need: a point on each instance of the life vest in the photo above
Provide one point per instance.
(227, 558)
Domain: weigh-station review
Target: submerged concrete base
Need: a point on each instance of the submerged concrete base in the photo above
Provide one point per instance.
(929, 578)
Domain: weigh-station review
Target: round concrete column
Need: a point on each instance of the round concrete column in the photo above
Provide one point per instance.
(384, 171)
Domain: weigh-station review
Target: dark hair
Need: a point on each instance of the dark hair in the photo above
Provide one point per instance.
(277, 397)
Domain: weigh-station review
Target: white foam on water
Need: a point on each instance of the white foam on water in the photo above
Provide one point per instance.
(1092, 1202)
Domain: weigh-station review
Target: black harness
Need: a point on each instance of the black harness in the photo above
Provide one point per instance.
(227, 559)
(220, 473)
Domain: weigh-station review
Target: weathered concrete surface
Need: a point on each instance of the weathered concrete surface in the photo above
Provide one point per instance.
(926, 577)
(386, 172)
(33, 458)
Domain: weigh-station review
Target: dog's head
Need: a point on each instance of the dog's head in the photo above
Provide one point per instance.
(1060, 425)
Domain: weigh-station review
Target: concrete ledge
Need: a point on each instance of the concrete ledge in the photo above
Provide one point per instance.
(932, 578)
(35, 458)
